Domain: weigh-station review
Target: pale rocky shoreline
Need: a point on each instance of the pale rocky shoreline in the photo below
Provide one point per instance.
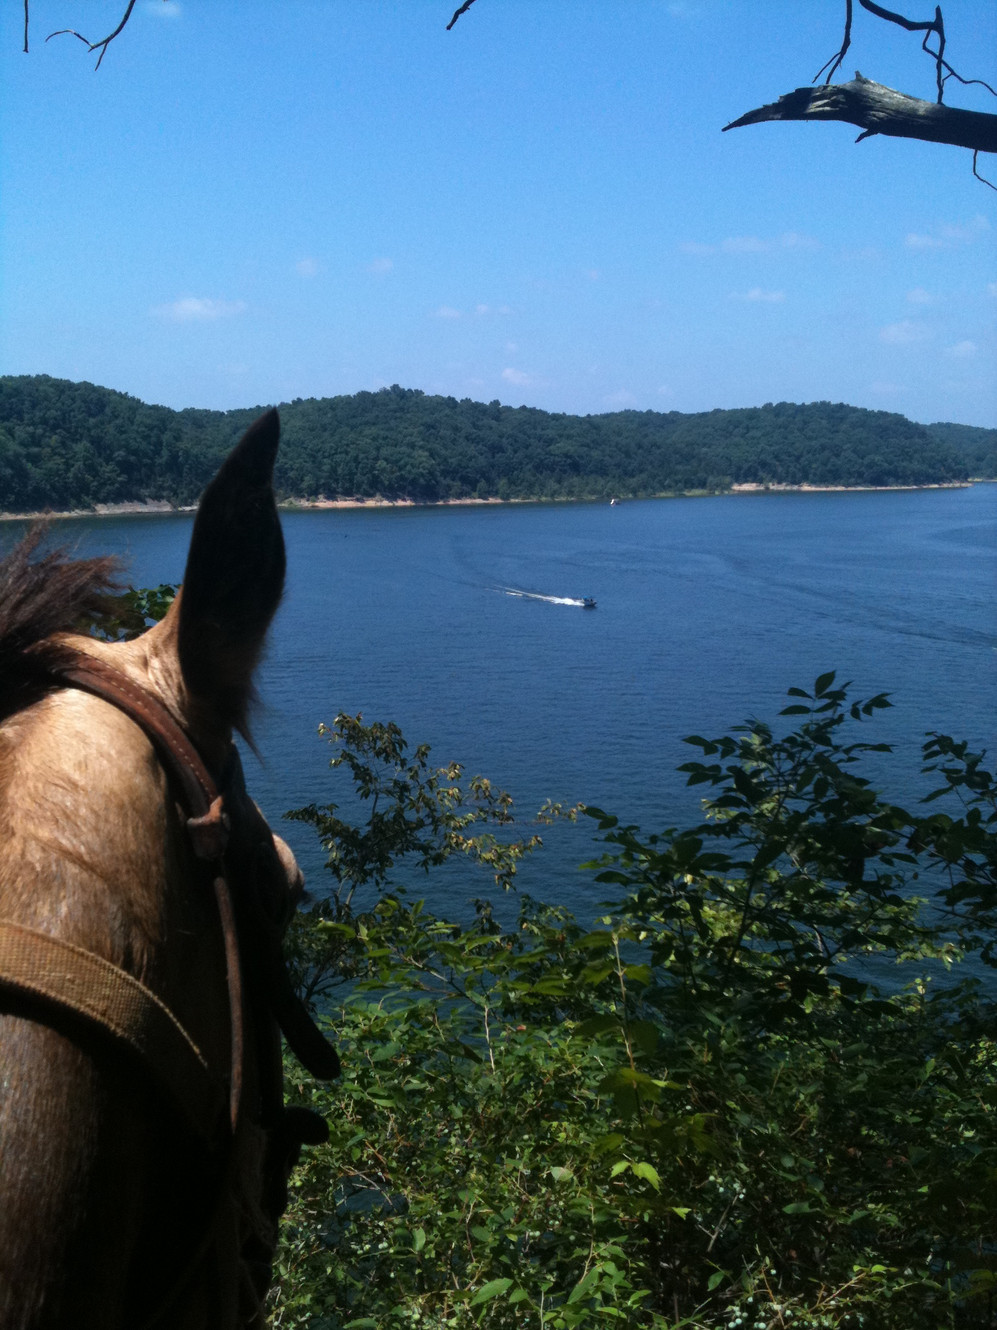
(155, 508)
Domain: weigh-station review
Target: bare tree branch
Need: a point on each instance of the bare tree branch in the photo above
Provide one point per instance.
(981, 177)
(834, 64)
(929, 26)
(943, 70)
(457, 13)
(101, 46)
(877, 109)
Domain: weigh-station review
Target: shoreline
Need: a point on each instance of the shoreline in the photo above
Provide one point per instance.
(158, 508)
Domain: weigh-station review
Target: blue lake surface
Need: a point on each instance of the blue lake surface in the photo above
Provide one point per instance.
(708, 610)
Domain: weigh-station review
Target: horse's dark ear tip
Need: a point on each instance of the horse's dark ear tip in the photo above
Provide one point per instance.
(262, 438)
(267, 425)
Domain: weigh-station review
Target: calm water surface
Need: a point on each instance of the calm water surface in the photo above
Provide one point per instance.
(708, 609)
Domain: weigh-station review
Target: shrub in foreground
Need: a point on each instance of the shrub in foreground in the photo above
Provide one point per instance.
(754, 1092)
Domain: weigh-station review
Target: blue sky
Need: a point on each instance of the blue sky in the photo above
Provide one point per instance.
(252, 202)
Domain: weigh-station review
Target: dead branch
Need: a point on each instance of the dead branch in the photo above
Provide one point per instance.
(928, 26)
(834, 64)
(877, 109)
(457, 13)
(101, 46)
(943, 70)
(982, 178)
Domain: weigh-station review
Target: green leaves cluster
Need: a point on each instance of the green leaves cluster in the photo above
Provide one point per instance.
(754, 1093)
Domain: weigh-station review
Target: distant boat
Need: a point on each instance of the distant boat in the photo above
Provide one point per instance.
(588, 603)
(612, 503)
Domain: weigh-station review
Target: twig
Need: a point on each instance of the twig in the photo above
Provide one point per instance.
(457, 13)
(935, 25)
(977, 174)
(103, 44)
(834, 64)
(943, 70)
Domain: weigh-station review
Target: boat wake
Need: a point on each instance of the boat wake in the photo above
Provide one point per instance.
(578, 601)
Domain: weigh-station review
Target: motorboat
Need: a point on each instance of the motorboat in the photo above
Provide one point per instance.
(588, 603)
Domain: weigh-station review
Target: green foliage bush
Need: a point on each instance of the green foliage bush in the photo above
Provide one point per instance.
(754, 1092)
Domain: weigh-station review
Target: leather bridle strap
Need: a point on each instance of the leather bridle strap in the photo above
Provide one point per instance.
(59, 972)
(201, 801)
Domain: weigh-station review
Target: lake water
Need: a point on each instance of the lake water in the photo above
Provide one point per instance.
(708, 610)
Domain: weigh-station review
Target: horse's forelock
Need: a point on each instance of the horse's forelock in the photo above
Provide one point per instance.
(46, 593)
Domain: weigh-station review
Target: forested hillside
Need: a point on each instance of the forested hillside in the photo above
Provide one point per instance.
(67, 445)
(976, 447)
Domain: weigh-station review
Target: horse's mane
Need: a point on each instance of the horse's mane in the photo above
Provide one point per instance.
(46, 593)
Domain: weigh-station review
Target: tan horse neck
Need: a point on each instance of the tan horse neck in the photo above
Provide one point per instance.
(100, 1183)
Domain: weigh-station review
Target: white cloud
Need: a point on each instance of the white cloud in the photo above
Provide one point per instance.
(517, 377)
(164, 8)
(903, 332)
(751, 244)
(307, 267)
(918, 296)
(961, 350)
(199, 309)
(914, 241)
(967, 231)
(992, 288)
(381, 267)
(480, 311)
(620, 398)
(743, 245)
(757, 294)
(949, 234)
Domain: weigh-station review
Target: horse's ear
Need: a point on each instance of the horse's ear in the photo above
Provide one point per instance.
(234, 576)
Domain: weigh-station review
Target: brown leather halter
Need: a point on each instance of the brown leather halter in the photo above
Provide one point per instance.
(62, 975)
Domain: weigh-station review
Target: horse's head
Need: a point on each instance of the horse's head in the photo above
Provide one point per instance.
(125, 1185)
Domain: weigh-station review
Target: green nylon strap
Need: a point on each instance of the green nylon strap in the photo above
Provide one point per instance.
(67, 977)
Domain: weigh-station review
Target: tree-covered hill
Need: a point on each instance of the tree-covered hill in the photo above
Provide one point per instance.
(976, 447)
(67, 445)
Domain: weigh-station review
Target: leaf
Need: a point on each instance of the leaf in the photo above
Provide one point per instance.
(597, 1025)
(697, 741)
(493, 1289)
(824, 682)
(649, 1173)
